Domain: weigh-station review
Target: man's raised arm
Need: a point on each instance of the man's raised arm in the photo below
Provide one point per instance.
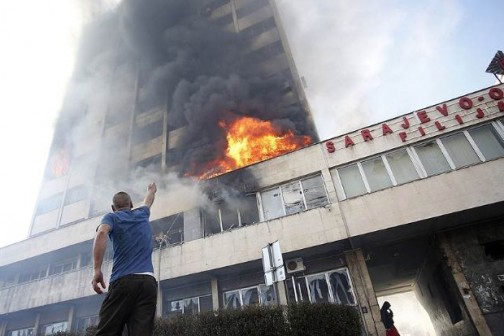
(151, 192)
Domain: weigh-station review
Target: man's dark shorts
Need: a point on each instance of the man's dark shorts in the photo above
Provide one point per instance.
(131, 300)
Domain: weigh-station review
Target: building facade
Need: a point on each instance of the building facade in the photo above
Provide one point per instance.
(410, 204)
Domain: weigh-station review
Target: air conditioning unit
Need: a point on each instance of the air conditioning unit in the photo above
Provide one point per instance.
(295, 265)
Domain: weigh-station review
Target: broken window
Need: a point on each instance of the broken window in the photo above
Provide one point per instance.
(332, 286)
(168, 230)
(228, 215)
(256, 295)
(85, 322)
(21, 332)
(53, 328)
(76, 194)
(294, 197)
(341, 288)
(191, 305)
(33, 275)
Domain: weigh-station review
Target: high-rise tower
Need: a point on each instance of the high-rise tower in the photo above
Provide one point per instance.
(156, 87)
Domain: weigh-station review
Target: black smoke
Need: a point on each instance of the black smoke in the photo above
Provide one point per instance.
(182, 61)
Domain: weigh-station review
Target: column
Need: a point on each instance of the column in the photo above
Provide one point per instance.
(281, 293)
(465, 291)
(366, 297)
(215, 293)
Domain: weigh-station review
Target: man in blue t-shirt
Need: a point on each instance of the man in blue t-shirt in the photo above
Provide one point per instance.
(132, 295)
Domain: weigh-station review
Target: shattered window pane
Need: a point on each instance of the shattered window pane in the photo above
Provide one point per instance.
(191, 306)
(314, 192)
(293, 198)
(272, 204)
(232, 300)
(317, 286)
(267, 295)
(229, 218)
(341, 289)
(211, 221)
(248, 210)
(250, 296)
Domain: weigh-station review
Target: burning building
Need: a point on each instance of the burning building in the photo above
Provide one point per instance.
(203, 98)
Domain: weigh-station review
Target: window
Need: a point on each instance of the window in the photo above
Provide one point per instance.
(332, 286)
(33, 275)
(76, 194)
(376, 174)
(402, 167)
(53, 328)
(256, 295)
(192, 305)
(460, 150)
(63, 267)
(433, 160)
(258, 28)
(49, 204)
(252, 6)
(266, 52)
(21, 332)
(488, 141)
(85, 322)
(294, 197)
(351, 180)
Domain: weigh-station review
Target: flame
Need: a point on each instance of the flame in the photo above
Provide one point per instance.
(60, 162)
(251, 140)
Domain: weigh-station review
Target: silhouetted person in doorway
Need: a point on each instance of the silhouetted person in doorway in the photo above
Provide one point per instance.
(132, 295)
(387, 317)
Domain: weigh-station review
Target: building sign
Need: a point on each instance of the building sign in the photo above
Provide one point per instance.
(416, 124)
(496, 66)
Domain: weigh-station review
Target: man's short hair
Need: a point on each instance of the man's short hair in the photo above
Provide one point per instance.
(121, 200)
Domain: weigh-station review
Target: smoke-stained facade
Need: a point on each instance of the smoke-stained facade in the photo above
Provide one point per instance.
(155, 88)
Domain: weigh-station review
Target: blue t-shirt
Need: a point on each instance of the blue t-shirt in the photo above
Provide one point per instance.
(131, 236)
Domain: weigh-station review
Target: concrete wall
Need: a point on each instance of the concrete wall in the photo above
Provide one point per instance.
(480, 250)
(436, 291)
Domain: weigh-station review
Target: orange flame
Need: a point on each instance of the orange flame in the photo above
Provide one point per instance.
(251, 140)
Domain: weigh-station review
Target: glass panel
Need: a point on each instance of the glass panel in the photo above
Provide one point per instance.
(376, 174)
(402, 167)
(191, 306)
(488, 141)
(432, 158)
(314, 192)
(176, 307)
(55, 327)
(272, 204)
(205, 303)
(460, 150)
(341, 289)
(250, 296)
(267, 295)
(317, 286)
(293, 198)
(232, 300)
(229, 217)
(248, 210)
(21, 332)
(351, 180)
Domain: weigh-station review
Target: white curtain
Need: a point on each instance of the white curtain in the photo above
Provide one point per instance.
(432, 158)
(460, 150)
(351, 180)
(488, 141)
(376, 174)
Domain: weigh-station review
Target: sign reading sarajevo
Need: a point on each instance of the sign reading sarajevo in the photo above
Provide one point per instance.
(415, 125)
